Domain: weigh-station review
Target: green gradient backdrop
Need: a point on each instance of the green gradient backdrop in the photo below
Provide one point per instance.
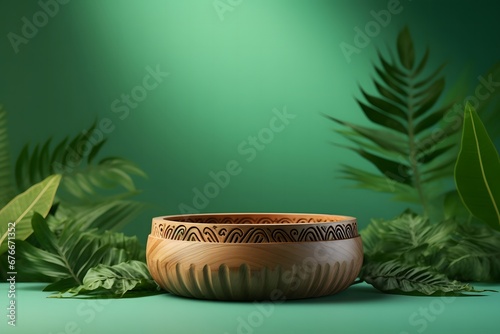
(226, 76)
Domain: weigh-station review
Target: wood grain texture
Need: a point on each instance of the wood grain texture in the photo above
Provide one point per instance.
(254, 271)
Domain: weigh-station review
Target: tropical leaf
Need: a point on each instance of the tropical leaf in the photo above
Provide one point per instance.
(456, 250)
(126, 279)
(7, 191)
(65, 259)
(95, 183)
(68, 155)
(20, 209)
(404, 237)
(83, 180)
(388, 141)
(381, 118)
(477, 171)
(68, 257)
(392, 169)
(109, 215)
(470, 253)
(367, 180)
(395, 277)
(405, 114)
(129, 244)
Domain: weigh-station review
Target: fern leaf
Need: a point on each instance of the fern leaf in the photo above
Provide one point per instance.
(395, 277)
(66, 259)
(407, 108)
(82, 179)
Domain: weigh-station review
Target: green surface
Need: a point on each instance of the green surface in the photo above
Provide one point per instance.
(359, 309)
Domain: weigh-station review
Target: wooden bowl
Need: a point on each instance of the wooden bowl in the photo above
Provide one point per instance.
(254, 256)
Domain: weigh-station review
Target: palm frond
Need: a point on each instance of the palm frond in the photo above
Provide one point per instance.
(110, 215)
(395, 277)
(65, 259)
(83, 180)
(401, 235)
(405, 110)
(470, 253)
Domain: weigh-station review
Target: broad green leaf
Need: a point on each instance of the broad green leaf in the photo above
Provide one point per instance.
(395, 277)
(115, 281)
(477, 171)
(406, 50)
(20, 209)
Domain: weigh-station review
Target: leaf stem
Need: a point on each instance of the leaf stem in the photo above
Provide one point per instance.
(72, 273)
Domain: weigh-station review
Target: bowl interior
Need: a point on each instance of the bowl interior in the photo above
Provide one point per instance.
(257, 218)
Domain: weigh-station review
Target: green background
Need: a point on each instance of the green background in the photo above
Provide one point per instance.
(225, 78)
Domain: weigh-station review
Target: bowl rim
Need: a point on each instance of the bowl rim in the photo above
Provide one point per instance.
(343, 218)
(261, 227)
